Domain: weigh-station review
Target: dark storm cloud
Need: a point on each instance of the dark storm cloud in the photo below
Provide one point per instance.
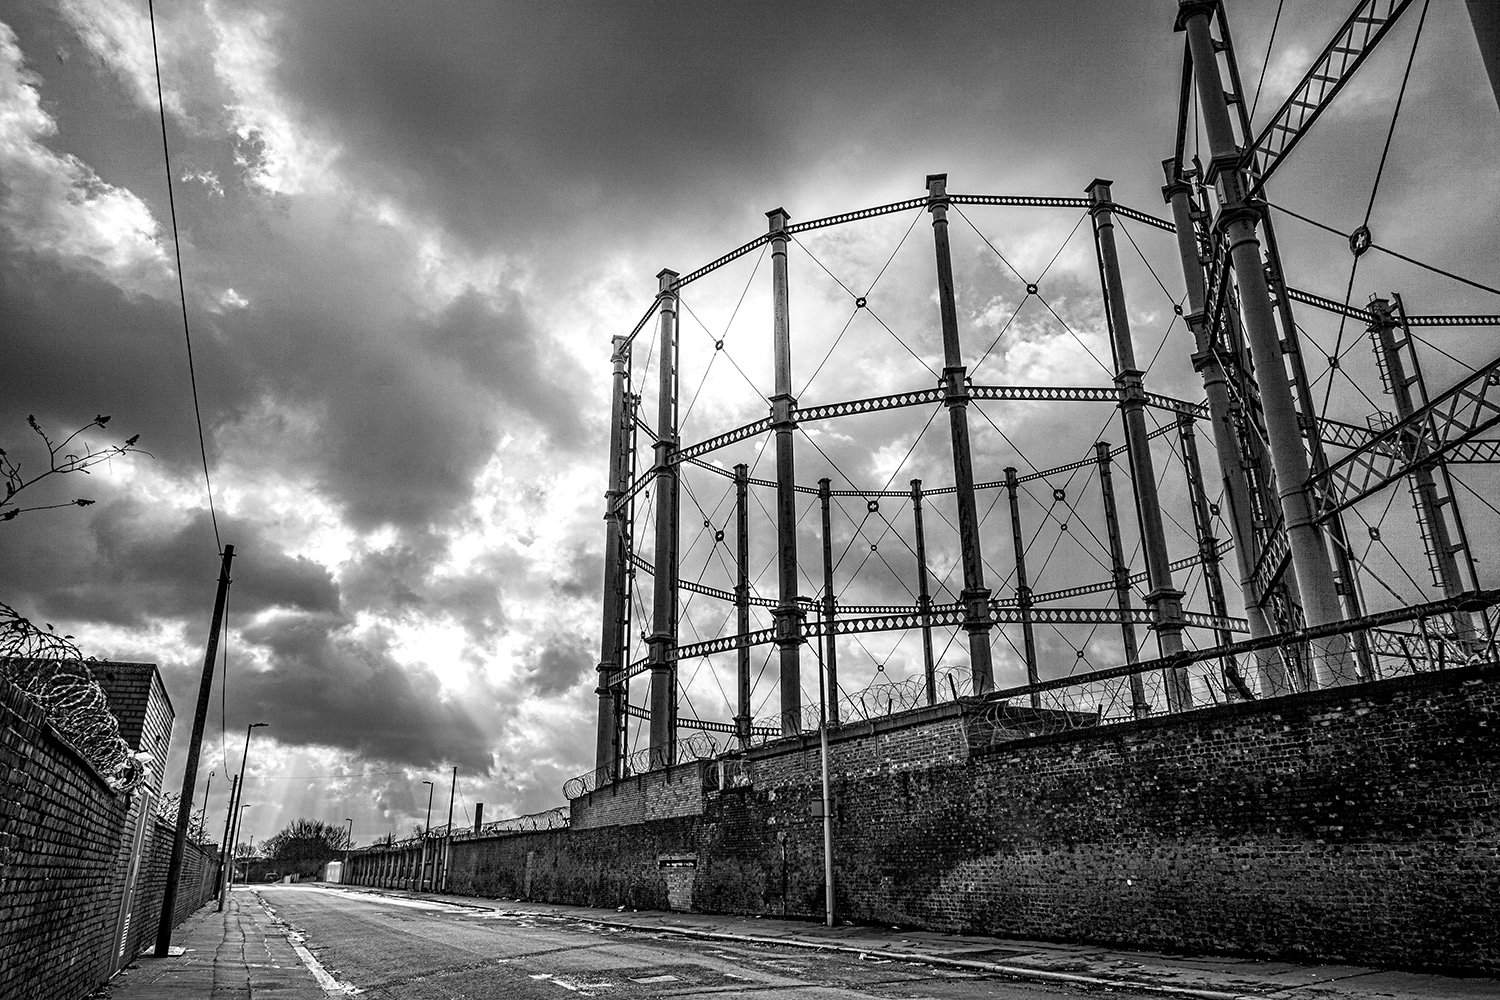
(558, 665)
(329, 687)
(117, 563)
(585, 568)
(541, 122)
(90, 348)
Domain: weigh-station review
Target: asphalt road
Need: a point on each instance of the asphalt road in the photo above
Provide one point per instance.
(391, 948)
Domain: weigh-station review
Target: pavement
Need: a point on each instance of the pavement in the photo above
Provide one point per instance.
(246, 951)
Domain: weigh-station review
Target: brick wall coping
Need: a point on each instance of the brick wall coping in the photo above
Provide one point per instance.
(921, 716)
(1297, 702)
(668, 775)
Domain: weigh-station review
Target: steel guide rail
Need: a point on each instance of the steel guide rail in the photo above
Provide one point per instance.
(1473, 600)
(897, 400)
(1014, 201)
(1020, 201)
(947, 615)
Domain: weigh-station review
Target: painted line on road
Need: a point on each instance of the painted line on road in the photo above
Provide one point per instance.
(294, 937)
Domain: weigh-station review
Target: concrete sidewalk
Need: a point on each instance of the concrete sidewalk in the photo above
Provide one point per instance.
(246, 951)
(243, 952)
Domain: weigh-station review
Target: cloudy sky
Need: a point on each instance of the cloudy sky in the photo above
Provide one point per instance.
(408, 233)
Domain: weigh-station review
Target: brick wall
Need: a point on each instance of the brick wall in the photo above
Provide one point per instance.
(59, 834)
(675, 791)
(1356, 824)
(138, 699)
(66, 845)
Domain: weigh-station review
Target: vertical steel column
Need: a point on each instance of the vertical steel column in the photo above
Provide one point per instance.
(1345, 578)
(788, 613)
(612, 637)
(1430, 501)
(924, 595)
(830, 648)
(1163, 597)
(1208, 553)
(1023, 589)
(1222, 418)
(1238, 218)
(1140, 707)
(976, 597)
(742, 600)
(663, 638)
(627, 538)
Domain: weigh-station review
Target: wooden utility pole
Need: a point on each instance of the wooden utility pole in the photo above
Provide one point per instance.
(190, 772)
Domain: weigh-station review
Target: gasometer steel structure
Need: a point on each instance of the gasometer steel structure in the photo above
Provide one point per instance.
(1288, 476)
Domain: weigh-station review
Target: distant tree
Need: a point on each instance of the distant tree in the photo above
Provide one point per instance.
(166, 811)
(305, 845)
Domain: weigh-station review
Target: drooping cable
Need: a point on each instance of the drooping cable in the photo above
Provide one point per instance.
(1338, 355)
(1266, 62)
(181, 288)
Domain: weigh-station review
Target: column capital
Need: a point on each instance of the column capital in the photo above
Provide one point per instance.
(788, 619)
(1384, 311)
(778, 220)
(955, 385)
(937, 195)
(976, 602)
(1188, 9)
(1177, 182)
(1098, 192)
(1131, 382)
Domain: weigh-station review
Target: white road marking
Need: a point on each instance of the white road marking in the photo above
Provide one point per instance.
(330, 986)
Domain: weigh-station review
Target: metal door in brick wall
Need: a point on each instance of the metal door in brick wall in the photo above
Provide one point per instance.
(135, 837)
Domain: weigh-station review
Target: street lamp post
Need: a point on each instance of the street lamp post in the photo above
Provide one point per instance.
(238, 817)
(448, 834)
(235, 810)
(348, 843)
(426, 836)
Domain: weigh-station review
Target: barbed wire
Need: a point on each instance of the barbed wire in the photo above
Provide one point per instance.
(1441, 635)
(699, 746)
(74, 703)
